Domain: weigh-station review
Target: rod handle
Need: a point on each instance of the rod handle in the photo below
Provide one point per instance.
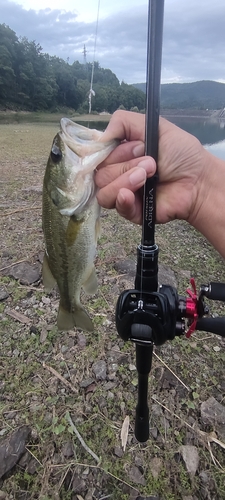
(213, 325)
(216, 291)
(141, 429)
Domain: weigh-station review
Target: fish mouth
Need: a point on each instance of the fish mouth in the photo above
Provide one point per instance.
(81, 140)
(83, 152)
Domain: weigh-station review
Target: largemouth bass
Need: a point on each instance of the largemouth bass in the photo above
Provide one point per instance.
(70, 218)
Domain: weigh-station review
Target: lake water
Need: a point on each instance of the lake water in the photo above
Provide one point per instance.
(211, 133)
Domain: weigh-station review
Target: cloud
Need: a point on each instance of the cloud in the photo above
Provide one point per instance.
(193, 46)
(194, 39)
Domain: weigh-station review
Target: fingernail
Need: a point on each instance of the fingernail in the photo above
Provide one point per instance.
(137, 177)
(139, 150)
(120, 198)
(147, 165)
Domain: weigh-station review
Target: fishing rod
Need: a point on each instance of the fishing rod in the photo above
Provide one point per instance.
(147, 315)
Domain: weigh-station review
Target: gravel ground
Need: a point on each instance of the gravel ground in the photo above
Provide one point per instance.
(55, 384)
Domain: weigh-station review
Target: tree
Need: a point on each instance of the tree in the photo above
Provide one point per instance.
(30, 79)
(8, 41)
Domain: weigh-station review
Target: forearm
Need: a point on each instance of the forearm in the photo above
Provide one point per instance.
(209, 214)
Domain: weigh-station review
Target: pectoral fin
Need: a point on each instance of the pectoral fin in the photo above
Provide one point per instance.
(91, 285)
(47, 277)
(67, 320)
(97, 229)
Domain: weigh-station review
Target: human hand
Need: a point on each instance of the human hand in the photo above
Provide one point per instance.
(181, 165)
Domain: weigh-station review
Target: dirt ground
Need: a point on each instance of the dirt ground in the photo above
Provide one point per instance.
(49, 378)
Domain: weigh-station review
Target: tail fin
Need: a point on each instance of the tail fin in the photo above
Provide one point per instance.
(79, 318)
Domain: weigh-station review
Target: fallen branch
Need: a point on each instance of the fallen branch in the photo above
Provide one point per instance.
(13, 264)
(59, 377)
(69, 419)
(174, 374)
(74, 464)
(18, 316)
(20, 210)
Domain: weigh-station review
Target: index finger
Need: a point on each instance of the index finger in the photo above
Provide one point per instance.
(125, 125)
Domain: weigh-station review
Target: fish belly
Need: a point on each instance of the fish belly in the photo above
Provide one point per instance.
(69, 260)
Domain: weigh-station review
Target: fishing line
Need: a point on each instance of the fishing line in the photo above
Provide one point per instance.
(91, 92)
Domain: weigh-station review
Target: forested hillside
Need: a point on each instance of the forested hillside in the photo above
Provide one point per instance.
(197, 95)
(32, 80)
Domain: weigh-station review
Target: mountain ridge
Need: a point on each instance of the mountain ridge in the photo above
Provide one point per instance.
(203, 94)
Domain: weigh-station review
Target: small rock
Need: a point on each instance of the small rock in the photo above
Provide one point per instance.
(10, 415)
(191, 458)
(3, 495)
(91, 388)
(99, 369)
(25, 273)
(107, 322)
(118, 451)
(64, 349)
(212, 412)
(169, 380)
(127, 266)
(16, 353)
(32, 466)
(205, 478)
(157, 410)
(68, 450)
(43, 335)
(81, 340)
(46, 300)
(3, 431)
(154, 432)
(136, 476)
(3, 293)
(78, 485)
(110, 395)
(155, 467)
(34, 330)
(90, 493)
(86, 382)
(12, 447)
(6, 255)
(109, 385)
(138, 461)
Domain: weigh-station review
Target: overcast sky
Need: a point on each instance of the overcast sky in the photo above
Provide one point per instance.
(194, 34)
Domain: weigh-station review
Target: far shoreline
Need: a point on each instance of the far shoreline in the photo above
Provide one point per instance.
(105, 117)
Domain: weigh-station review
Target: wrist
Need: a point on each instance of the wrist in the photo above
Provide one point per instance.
(208, 215)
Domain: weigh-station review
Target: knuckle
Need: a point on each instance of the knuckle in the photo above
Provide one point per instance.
(126, 166)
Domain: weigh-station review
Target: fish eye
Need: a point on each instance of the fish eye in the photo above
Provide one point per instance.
(56, 154)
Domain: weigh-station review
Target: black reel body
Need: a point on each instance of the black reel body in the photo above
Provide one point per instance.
(148, 317)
